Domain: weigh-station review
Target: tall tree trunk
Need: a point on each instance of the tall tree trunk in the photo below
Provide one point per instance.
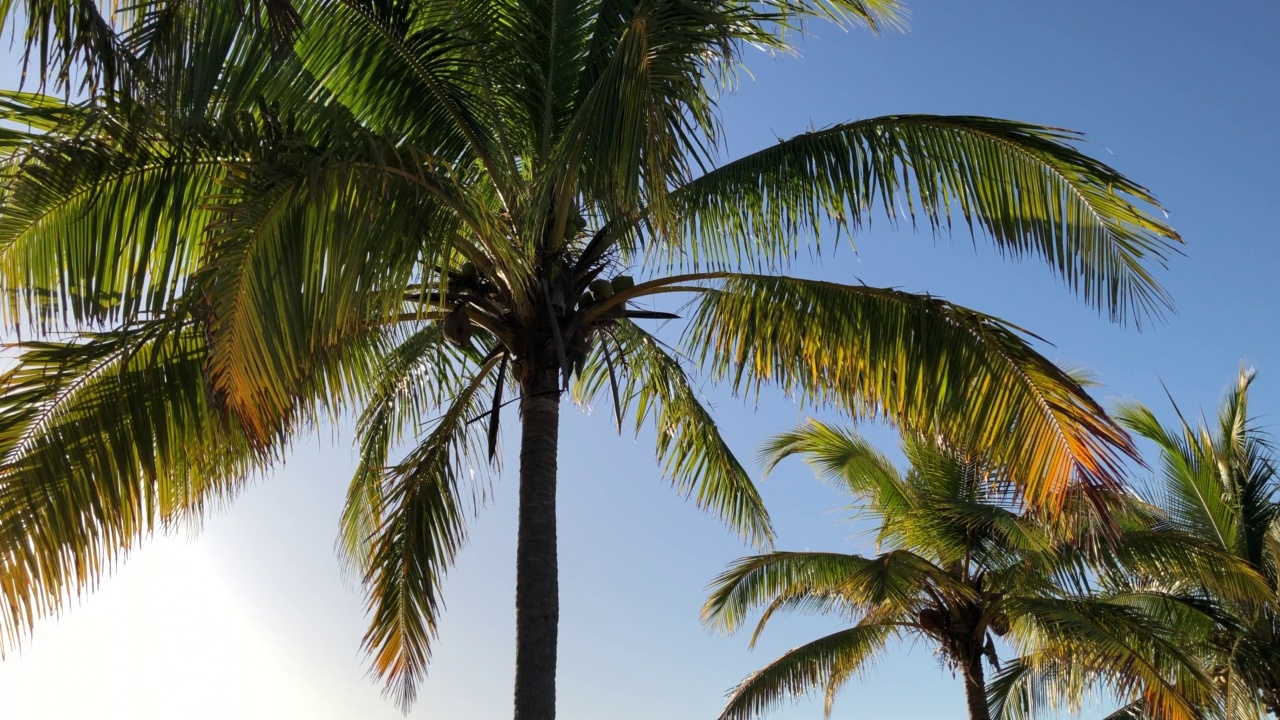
(975, 690)
(537, 567)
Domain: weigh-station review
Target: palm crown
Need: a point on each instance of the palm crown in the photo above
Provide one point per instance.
(962, 561)
(407, 208)
(1217, 487)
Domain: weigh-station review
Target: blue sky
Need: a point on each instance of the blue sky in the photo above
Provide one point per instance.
(254, 619)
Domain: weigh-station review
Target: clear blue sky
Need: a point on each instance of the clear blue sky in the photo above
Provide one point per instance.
(253, 619)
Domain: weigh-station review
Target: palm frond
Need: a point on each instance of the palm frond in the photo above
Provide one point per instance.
(412, 379)
(841, 456)
(922, 363)
(851, 583)
(387, 67)
(104, 440)
(300, 263)
(809, 667)
(1120, 648)
(654, 385)
(420, 528)
(1025, 186)
(91, 232)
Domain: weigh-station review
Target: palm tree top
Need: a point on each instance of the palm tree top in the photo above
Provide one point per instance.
(960, 561)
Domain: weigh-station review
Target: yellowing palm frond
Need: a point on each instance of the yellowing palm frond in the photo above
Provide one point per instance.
(920, 362)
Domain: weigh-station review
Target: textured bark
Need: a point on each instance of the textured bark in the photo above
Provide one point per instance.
(537, 582)
(975, 690)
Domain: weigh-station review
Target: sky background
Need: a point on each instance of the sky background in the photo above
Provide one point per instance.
(253, 617)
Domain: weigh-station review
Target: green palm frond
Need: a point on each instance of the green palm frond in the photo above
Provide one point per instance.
(1177, 562)
(1120, 647)
(652, 385)
(414, 378)
(1023, 185)
(920, 362)
(105, 440)
(1019, 690)
(92, 233)
(850, 583)
(841, 456)
(396, 67)
(1217, 486)
(280, 289)
(839, 655)
(420, 527)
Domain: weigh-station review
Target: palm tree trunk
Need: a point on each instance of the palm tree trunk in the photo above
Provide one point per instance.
(537, 582)
(975, 690)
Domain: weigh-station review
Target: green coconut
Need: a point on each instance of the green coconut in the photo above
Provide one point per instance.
(467, 273)
(602, 289)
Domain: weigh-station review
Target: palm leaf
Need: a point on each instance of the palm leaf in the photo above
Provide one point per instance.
(917, 361)
(653, 385)
(413, 379)
(420, 528)
(1123, 649)
(104, 440)
(806, 668)
(298, 265)
(843, 457)
(817, 582)
(1023, 185)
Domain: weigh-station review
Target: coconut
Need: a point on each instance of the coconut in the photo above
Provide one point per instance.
(602, 289)
(456, 327)
(1000, 624)
(622, 283)
(467, 272)
(574, 225)
(932, 619)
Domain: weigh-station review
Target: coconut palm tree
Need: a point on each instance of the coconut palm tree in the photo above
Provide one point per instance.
(418, 211)
(961, 560)
(1217, 484)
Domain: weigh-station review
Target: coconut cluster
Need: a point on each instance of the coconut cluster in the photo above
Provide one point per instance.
(601, 289)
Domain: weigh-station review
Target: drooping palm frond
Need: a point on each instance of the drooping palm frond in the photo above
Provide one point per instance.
(105, 440)
(836, 657)
(849, 584)
(1023, 185)
(281, 288)
(418, 533)
(416, 377)
(651, 385)
(114, 436)
(65, 37)
(1084, 643)
(920, 362)
(84, 46)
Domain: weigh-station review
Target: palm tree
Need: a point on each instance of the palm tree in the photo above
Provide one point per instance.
(413, 210)
(1217, 485)
(961, 561)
